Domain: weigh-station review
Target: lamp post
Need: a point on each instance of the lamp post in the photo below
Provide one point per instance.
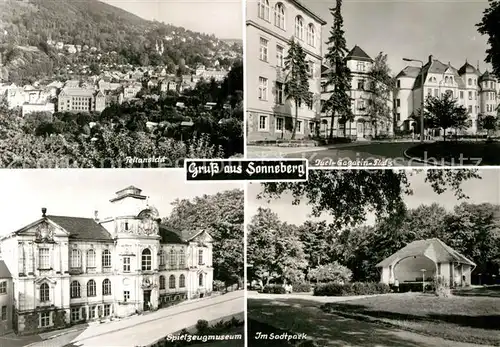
(423, 280)
(422, 108)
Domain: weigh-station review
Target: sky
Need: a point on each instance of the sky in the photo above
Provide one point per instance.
(484, 190)
(411, 29)
(78, 193)
(223, 18)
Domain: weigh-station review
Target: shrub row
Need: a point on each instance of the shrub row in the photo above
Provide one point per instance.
(274, 289)
(301, 287)
(347, 289)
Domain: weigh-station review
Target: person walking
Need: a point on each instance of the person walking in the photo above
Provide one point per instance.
(396, 285)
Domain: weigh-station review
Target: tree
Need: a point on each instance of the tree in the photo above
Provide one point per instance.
(221, 215)
(489, 26)
(488, 123)
(333, 272)
(445, 113)
(339, 75)
(296, 80)
(381, 85)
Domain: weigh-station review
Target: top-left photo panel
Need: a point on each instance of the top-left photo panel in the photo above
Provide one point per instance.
(120, 83)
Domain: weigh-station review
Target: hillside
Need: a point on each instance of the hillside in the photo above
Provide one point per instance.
(105, 32)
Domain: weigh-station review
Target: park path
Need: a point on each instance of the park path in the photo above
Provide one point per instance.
(301, 314)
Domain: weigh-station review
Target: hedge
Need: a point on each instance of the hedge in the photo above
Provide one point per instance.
(301, 288)
(274, 289)
(348, 289)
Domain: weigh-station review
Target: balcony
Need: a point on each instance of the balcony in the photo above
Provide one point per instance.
(75, 271)
(107, 269)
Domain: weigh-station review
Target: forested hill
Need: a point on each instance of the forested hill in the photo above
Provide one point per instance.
(27, 26)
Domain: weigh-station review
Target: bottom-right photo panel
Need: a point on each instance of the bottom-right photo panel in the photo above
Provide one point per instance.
(404, 258)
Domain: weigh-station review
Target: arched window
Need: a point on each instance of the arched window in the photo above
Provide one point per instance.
(75, 289)
(90, 258)
(44, 292)
(311, 35)
(182, 281)
(162, 282)
(171, 282)
(172, 260)
(446, 79)
(451, 79)
(469, 81)
(182, 258)
(163, 260)
(279, 15)
(264, 9)
(106, 287)
(106, 258)
(146, 260)
(91, 289)
(76, 259)
(200, 280)
(299, 28)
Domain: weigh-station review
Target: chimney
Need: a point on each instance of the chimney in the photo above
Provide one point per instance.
(44, 212)
(96, 216)
(431, 58)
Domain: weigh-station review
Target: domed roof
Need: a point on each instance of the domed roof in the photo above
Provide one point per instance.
(467, 69)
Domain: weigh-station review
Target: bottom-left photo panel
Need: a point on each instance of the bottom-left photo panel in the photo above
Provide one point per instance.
(120, 258)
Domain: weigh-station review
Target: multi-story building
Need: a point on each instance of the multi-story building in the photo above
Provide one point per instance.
(477, 92)
(81, 100)
(363, 126)
(67, 270)
(271, 25)
(6, 299)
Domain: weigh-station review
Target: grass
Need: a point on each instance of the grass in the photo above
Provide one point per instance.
(471, 319)
(458, 152)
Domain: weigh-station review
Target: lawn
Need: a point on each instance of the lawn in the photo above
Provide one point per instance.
(458, 152)
(471, 319)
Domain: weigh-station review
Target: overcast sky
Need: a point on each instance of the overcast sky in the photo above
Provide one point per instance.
(487, 189)
(223, 18)
(410, 28)
(79, 193)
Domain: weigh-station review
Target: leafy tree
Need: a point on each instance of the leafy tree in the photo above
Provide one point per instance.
(333, 272)
(339, 75)
(296, 80)
(221, 215)
(489, 26)
(381, 85)
(445, 113)
(488, 123)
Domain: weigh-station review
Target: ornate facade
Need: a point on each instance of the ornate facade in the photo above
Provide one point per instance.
(67, 270)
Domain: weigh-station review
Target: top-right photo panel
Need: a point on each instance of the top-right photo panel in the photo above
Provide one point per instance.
(373, 83)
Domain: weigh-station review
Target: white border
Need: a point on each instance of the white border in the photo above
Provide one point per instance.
(236, 160)
(245, 96)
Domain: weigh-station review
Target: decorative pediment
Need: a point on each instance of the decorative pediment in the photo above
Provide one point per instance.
(44, 230)
(41, 280)
(202, 238)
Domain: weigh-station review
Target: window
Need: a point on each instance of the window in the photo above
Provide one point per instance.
(126, 264)
(171, 282)
(299, 28)
(263, 124)
(436, 93)
(146, 260)
(262, 88)
(92, 312)
(361, 104)
(173, 261)
(280, 56)
(311, 35)
(398, 83)
(279, 93)
(449, 93)
(200, 257)
(470, 95)
(162, 258)
(126, 295)
(279, 16)
(264, 9)
(280, 122)
(44, 292)
(469, 81)
(107, 310)
(106, 258)
(446, 80)
(299, 127)
(75, 259)
(162, 282)
(310, 68)
(475, 96)
(182, 281)
(4, 313)
(3, 287)
(470, 109)
(91, 288)
(263, 49)
(398, 116)
(106, 287)
(74, 289)
(182, 258)
(75, 314)
(461, 94)
(361, 84)
(126, 225)
(43, 258)
(44, 319)
(200, 280)
(398, 102)
(451, 79)
(361, 66)
(429, 92)
(90, 258)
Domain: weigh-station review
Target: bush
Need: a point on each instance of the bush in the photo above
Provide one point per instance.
(441, 287)
(219, 286)
(333, 272)
(274, 289)
(202, 326)
(348, 289)
(301, 287)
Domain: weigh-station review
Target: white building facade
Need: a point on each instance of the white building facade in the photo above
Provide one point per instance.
(271, 25)
(68, 270)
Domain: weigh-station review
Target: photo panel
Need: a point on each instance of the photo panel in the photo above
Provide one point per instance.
(375, 258)
(323, 87)
(120, 258)
(120, 84)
